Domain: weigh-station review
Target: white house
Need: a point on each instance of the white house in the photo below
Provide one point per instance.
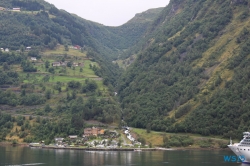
(28, 48)
(75, 64)
(16, 9)
(59, 141)
(56, 64)
(7, 50)
(73, 136)
(33, 58)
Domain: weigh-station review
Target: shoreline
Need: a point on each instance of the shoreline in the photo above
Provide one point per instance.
(95, 149)
(128, 149)
(109, 149)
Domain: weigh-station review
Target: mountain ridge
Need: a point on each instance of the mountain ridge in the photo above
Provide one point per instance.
(180, 59)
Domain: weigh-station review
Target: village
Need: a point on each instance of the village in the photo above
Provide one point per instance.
(17, 9)
(54, 63)
(96, 138)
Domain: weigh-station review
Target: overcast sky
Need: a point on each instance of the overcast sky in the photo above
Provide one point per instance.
(108, 12)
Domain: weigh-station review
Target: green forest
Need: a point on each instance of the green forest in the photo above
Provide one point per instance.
(167, 87)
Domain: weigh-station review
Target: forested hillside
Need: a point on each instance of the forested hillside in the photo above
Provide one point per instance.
(53, 75)
(191, 71)
(44, 26)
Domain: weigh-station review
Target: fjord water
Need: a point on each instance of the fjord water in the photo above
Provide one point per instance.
(36, 156)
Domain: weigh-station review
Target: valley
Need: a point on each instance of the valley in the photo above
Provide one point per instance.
(177, 75)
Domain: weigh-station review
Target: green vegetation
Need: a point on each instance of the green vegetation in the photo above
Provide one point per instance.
(179, 140)
(178, 83)
(70, 93)
(186, 71)
(6, 125)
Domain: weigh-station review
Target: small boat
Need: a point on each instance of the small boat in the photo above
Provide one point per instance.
(137, 150)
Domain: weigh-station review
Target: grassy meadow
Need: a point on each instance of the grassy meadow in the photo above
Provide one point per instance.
(157, 139)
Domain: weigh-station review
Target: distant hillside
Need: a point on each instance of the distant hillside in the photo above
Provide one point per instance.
(115, 40)
(147, 16)
(191, 70)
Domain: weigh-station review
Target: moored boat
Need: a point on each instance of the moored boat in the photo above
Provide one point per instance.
(242, 149)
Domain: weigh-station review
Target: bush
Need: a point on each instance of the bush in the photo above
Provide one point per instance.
(28, 139)
(183, 110)
(178, 141)
(205, 143)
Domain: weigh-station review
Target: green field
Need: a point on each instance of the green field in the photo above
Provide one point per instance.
(61, 51)
(45, 79)
(156, 138)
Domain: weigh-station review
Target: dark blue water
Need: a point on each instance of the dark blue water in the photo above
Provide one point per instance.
(35, 156)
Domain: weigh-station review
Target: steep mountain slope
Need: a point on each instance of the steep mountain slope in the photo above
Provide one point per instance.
(115, 40)
(34, 27)
(191, 73)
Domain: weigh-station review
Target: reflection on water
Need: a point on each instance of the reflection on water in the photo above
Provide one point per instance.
(37, 156)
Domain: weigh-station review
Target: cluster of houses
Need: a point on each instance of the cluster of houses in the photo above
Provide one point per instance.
(13, 9)
(8, 50)
(76, 47)
(94, 131)
(88, 132)
(55, 64)
(106, 140)
(5, 50)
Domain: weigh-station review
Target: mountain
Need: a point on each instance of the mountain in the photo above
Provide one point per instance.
(53, 76)
(191, 70)
(41, 25)
(116, 40)
(188, 72)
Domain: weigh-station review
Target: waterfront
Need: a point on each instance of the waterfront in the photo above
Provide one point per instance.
(37, 156)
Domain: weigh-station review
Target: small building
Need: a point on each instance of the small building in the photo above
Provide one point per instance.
(33, 58)
(16, 9)
(93, 131)
(56, 64)
(2, 49)
(2, 9)
(28, 48)
(64, 63)
(77, 47)
(7, 50)
(75, 64)
(87, 132)
(60, 63)
(59, 141)
(73, 136)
